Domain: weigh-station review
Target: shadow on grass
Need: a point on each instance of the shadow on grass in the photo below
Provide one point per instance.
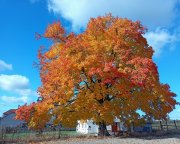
(34, 137)
(156, 135)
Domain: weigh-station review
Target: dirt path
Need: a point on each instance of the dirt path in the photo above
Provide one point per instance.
(116, 141)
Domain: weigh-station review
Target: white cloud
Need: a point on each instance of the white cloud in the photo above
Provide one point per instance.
(15, 90)
(160, 38)
(5, 66)
(13, 82)
(13, 99)
(151, 13)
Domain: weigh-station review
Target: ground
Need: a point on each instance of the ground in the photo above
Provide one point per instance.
(170, 136)
(116, 141)
(161, 137)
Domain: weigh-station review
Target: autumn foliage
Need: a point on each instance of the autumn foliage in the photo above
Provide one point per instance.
(105, 72)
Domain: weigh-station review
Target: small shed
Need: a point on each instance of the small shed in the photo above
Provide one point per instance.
(88, 127)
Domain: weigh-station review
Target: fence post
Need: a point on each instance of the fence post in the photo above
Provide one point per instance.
(175, 124)
(1, 133)
(133, 127)
(161, 125)
(59, 132)
(166, 125)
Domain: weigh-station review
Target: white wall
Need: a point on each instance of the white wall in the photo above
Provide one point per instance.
(87, 127)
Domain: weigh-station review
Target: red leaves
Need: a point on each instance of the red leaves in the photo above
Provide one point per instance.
(104, 72)
(143, 71)
(25, 112)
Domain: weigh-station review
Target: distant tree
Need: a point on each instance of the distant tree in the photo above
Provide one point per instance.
(105, 72)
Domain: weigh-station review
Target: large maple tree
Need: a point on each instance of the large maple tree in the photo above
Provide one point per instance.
(105, 72)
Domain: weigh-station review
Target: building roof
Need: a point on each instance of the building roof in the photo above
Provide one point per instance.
(9, 112)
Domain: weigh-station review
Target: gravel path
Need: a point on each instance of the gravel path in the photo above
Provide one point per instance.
(116, 141)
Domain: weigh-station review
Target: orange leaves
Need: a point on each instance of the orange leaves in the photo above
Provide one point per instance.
(25, 112)
(54, 51)
(142, 71)
(55, 31)
(105, 72)
(35, 114)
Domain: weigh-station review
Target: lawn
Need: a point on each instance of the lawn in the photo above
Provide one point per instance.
(29, 136)
(34, 136)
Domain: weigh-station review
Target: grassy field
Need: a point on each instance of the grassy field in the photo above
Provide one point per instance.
(159, 137)
(30, 136)
(52, 133)
(33, 136)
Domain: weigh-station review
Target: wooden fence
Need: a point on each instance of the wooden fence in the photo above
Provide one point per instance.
(18, 135)
(166, 125)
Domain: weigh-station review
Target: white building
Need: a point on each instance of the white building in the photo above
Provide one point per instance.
(8, 120)
(89, 127)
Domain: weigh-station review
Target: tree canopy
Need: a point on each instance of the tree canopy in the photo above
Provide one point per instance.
(105, 72)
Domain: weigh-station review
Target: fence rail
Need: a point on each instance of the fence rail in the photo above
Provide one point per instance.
(24, 135)
(166, 125)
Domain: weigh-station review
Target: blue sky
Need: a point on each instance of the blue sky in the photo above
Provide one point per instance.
(21, 19)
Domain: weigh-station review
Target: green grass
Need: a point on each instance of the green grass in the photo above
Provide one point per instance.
(45, 135)
(62, 133)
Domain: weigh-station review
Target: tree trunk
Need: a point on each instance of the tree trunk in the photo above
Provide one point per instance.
(103, 130)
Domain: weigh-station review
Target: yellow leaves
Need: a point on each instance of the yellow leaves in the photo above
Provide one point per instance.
(40, 117)
(110, 66)
(82, 121)
(54, 51)
(139, 122)
(55, 31)
(56, 121)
